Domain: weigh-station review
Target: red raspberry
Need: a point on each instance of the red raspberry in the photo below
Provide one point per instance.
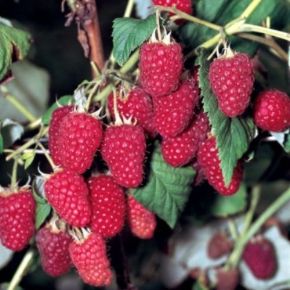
(52, 244)
(180, 150)
(53, 133)
(260, 257)
(137, 105)
(142, 221)
(209, 161)
(272, 111)
(80, 136)
(108, 206)
(183, 5)
(160, 67)
(17, 211)
(67, 192)
(227, 279)
(219, 245)
(90, 258)
(123, 150)
(231, 79)
(173, 113)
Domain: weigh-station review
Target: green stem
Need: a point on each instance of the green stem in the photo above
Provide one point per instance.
(233, 229)
(238, 251)
(49, 159)
(250, 9)
(21, 270)
(14, 173)
(123, 70)
(17, 104)
(31, 141)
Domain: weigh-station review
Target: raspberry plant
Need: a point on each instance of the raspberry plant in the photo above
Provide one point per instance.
(175, 139)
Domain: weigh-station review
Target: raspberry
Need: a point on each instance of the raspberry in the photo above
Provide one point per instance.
(183, 5)
(123, 150)
(90, 258)
(227, 279)
(180, 150)
(52, 244)
(160, 67)
(137, 105)
(80, 135)
(108, 206)
(67, 192)
(142, 221)
(173, 113)
(17, 211)
(53, 133)
(259, 255)
(209, 161)
(231, 79)
(272, 111)
(219, 245)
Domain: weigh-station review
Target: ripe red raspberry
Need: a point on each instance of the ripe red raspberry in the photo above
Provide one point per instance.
(180, 150)
(67, 192)
(272, 111)
(80, 136)
(260, 257)
(53, 133)
(90, 258)
(183, 5)
(231, 79)
(137, 105)
(108, 206)
(209, 161)
(123, 150)
(173, 113)
(17, 211)
(142, 221)
(160, 67)
(52, 244)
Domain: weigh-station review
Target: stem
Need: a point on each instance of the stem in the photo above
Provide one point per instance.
(50, 161)
(31, 141)
(123, 70)
(183, 15)
(250, 9)
(21, 270)
(14, 174)
(233, 229)
(238, 251)
(17, 104)
(271, 43)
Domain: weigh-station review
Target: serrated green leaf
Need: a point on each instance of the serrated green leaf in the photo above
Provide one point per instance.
(65, 100)
(42, 212)
(130, 33)
(225, 206)
(167, 189)
(15, 44)
(233, 135)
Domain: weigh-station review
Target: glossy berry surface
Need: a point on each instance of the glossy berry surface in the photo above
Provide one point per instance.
(142, 222)
(90, 259)
(160, 67)
(272, 111)
(123, 150)
(108, 206)
(231, 79)
(17, 212)
(183, 5)
(67, 192)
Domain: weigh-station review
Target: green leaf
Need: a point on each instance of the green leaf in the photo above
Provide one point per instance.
(167, 189)
(130, 33)
(11, 131)
(15, 44)
(65, 100)
(233, 135)
(1, 143)
(286, 143)
(28, 158)
(42, 212)
(229, 205)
